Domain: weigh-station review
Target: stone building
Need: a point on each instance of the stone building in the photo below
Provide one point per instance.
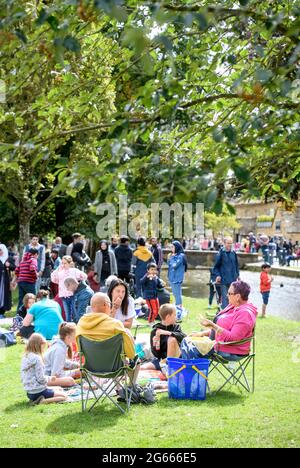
(268, 218)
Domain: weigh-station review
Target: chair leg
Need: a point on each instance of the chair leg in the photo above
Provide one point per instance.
(236, 375)
(253, 374)
(81, 388)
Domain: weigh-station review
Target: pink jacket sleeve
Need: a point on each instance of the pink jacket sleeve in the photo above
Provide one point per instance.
(54, 277)
(80, 275)
(241, 329)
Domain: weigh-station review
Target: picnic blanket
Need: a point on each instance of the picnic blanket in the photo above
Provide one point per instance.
(74, 393)
(157, 378)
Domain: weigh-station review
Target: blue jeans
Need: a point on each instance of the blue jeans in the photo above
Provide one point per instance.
(224, 291)
(176, 290)
(69, 310)
(25, 288)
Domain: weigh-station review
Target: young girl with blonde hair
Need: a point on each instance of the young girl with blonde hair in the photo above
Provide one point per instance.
(33, 376)
(56, 357)
(58, 276)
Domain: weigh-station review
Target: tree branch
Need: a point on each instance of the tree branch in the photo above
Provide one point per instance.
(229, 12)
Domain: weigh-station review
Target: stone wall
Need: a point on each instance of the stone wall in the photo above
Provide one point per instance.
(198, 259)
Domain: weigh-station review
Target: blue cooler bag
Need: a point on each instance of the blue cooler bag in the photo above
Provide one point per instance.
(187, 378)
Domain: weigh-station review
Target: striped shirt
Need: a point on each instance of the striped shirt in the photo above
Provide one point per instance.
(27, 270)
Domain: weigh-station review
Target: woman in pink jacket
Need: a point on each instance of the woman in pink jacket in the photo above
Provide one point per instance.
(235, 323)
(58, 276)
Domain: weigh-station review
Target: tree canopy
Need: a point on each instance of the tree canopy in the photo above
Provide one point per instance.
(164, 101)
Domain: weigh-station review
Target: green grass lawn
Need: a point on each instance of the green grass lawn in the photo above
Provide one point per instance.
(267, 418)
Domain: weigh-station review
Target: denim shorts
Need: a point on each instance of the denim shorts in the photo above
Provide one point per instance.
(156, 363)
(47, 393)
(266, 296)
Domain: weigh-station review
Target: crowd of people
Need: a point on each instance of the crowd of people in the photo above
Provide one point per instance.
(271, 248)
(63, 295)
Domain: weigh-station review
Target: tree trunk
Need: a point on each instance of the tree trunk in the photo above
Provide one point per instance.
(24, 226)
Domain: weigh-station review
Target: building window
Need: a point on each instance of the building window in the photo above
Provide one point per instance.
(278, 225)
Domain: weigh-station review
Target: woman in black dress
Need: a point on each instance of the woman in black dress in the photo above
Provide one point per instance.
(6, 267)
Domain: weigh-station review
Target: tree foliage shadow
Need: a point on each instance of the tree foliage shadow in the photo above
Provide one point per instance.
(222, 399)
(100, 418)
(19, 406)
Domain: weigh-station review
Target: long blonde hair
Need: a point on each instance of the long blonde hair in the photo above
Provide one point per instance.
(69, 260)
(67, 329)
(35, 344)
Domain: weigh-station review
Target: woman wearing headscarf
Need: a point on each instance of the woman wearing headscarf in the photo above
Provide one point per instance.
(177, 266)
(6, 267)
(105, 263)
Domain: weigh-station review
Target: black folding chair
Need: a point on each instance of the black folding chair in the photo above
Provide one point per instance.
(236, 375)
(104, 360)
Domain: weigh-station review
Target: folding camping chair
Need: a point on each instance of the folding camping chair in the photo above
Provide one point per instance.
(104, 360)
(236, 375)
(138, 326)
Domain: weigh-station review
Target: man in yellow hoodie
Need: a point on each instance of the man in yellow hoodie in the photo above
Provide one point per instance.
(99, 325)
(140, 260)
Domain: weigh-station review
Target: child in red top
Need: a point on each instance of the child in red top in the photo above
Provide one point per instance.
(92, 279)
(265, 286)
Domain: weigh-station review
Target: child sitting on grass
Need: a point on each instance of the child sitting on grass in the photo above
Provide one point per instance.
(28, 301)
(33, 376)
(150, 284)
(265, 286)
(56, 357)
(165, 338)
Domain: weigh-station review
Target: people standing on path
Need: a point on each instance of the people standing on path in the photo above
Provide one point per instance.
(226, 269)
(151, 283)
(76, 237)
(177, 266)
(105, 263)
(157, 253)
(123, 254)
(60, 247)
(141, 258)
(27, 274)
(265, 286)
(7, 265)
(80, 257)
(41, 260)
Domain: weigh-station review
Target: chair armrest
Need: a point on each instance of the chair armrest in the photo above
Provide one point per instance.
(228, 343)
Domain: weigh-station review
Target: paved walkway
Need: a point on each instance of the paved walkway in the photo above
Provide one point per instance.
(291, 272)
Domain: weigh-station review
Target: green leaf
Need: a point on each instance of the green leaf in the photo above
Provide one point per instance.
(230, 134)
(202, 21)
(20, 34)
(285, 87)
(165, 41)
(53, 21)
(218, 206)
(218, 135)
(276, 188)
(70, 43)
(42, 18)
(263, 75)
(231, 59)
